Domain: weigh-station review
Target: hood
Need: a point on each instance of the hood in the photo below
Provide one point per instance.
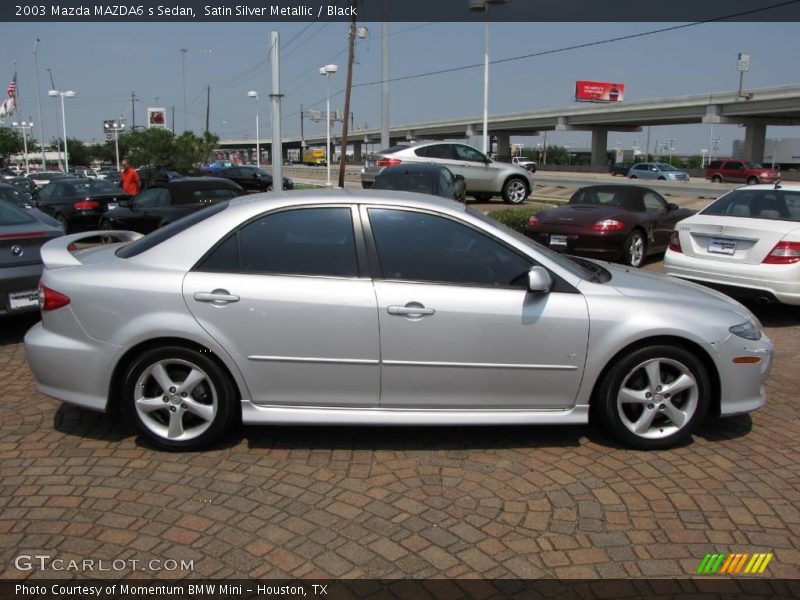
(636, 283)
(578, 214)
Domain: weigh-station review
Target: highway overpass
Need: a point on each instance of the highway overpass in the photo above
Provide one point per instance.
(754, 109)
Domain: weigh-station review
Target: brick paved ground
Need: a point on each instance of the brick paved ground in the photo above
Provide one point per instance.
(390, 502)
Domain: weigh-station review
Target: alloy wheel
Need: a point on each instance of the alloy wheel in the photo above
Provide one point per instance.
(658, 398)
(516, 192)
(635, 251)
(175, 399)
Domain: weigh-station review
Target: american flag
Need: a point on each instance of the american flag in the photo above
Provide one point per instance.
(9, 105)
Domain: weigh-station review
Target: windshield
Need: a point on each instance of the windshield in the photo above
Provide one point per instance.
(771, 204)
(12, 215)
(95, 187)
(752, 165)
(576, 267)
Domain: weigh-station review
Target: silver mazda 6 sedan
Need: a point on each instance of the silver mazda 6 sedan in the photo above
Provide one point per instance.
(377, 308)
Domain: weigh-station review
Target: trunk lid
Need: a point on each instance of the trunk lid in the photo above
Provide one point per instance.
(577, 215)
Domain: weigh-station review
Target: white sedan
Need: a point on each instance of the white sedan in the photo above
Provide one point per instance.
(747, 243)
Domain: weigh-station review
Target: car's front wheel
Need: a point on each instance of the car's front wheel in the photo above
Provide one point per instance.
(752, 180)
(716, 179)
(654, 397)
(635, 249)
(515, 191)
(180, 399)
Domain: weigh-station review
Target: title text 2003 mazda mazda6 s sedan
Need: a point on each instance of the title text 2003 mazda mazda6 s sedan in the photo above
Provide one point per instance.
(380, 308)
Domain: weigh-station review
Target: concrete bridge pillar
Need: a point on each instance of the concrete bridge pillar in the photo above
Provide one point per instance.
(357, 151)
(599, 148)
(503, 146)
(755, 137)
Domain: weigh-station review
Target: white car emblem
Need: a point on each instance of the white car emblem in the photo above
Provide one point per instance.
(16, 250)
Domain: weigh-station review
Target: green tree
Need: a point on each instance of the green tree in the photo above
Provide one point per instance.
(10, 143)
(557, 155)
(78, 153)
(695, 162)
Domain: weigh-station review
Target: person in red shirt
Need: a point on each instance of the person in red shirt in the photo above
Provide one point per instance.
(129, 178)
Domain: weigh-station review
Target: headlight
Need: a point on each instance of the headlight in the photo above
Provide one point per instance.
(749, 330)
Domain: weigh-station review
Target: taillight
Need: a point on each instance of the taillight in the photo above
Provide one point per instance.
(31, 234)
(675, 242)
(608, 225)
(86, 205)
(51, 299)
(533, 221)
(784, 253)
(389, 162)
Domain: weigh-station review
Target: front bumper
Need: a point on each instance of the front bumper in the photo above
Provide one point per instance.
(742, 384)
(781, 282)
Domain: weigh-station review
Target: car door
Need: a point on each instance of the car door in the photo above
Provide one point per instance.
(145, 214)
(458, 327)
(662, 220)
(640, 171)
(733, 171)
(475, 169)
(286, 295)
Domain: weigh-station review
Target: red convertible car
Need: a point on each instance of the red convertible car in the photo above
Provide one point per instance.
(625, 223)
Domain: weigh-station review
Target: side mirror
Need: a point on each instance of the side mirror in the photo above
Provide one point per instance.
(124, 202)
(539, 280)
(672, 206)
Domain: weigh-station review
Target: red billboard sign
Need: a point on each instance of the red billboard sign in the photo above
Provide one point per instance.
(599, 91)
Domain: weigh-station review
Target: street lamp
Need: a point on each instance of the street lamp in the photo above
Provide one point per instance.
(67, 94)
(774, 150)
(671, 148)
(116, 128)
(483, 5)
(327, 71)
(254, 94)
(24, 127)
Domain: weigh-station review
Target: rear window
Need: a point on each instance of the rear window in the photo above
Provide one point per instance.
(13, 215)
(214, 195)
(13, 196)
(601, 197)
(161, 235)
(93, 187)
(404, 181)
(773, 204)
(391, 150)
(715, 164)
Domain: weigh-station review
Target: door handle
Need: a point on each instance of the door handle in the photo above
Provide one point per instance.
(216, 297)
(412, 309)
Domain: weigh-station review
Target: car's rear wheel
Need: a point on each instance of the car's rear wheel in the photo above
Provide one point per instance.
(654, 397)
(753, 180)
(635, 249)
(716, 179)
(634, 177)
(662, 178)
(178, 398)
(515, 191)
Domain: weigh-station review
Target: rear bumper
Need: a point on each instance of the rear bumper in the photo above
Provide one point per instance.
(600, 245)
(778, 282)
(84, 221)
(18, 279)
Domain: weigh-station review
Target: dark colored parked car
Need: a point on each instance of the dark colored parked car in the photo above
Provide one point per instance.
(148, 176)
(24, 185)
(620, 168)
(22, 233)
(15, 195)
(78, 202)
(252, 179)
(740, 171)
(168, 201)
(424, 179)
(626, 223)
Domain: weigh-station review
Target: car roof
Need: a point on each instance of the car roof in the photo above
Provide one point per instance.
(786, 187)
(197, 182)
(338, 196)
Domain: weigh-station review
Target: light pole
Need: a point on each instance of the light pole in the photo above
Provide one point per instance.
(774, 149)
(116, 128)
(254, 94)
(671, 142)
(39, 100)
(703, 151)
(183, 74)
(24, 127)
(483, 5)
(327, 71)
(55, 110)
(634, 148)
(68, 94)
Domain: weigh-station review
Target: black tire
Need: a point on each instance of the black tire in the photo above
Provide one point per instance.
(106, 226)
(482, 197)
(268, 188)
(633, 177)
(662, 178)
(635, 251)
(515, 190)
(753, 180)
(716, 179)
(63, 222)
(621, 418)
(214, 397)
(366, 185)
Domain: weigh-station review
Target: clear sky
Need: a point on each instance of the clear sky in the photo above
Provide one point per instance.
(105, 62)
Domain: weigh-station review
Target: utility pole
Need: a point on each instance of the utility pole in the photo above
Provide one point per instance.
(275, 99)
(55, 109)
(302, 135)
(348, 87)
(133, 112)
(208, 105)
(385, 143)
(183, 71)
(173, 119)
